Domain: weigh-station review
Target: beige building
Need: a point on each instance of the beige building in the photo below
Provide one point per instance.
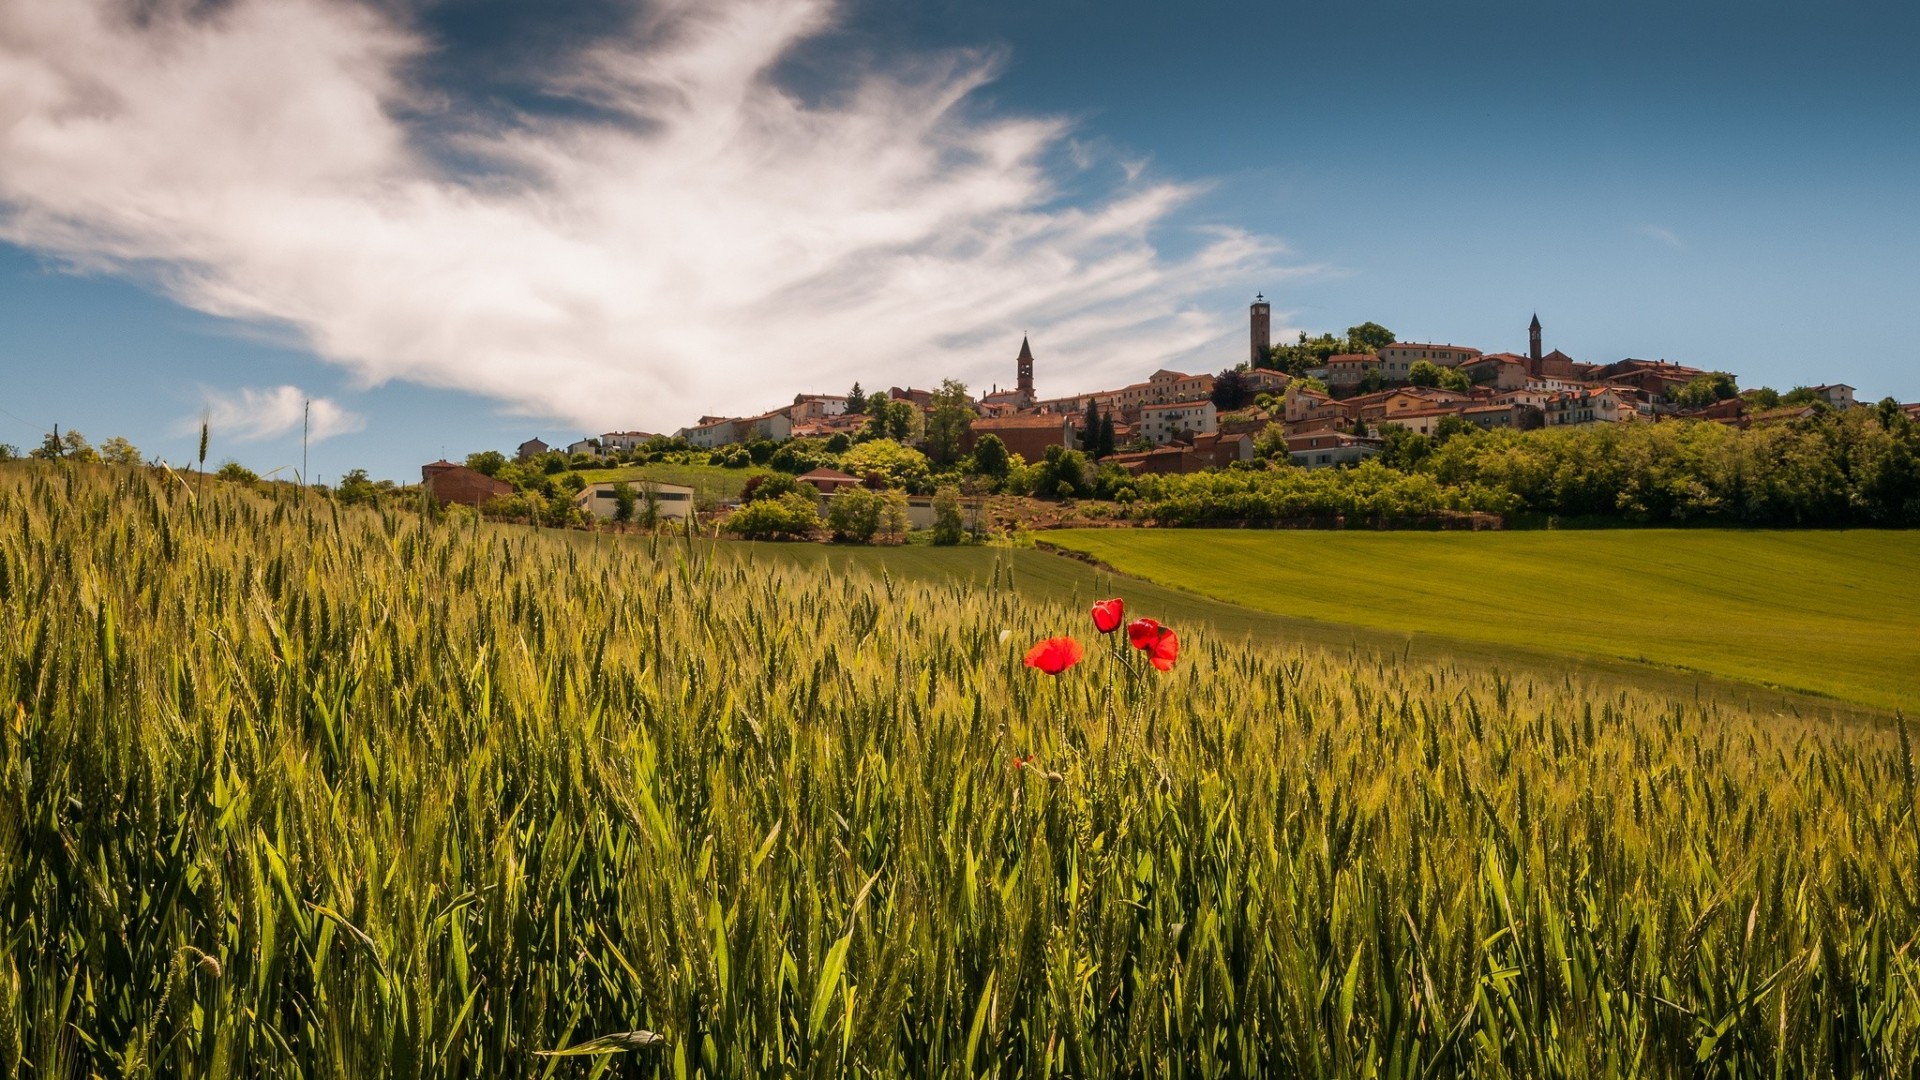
(1348, 370)
(675, 501)
(1161, 424)
(1402, 355)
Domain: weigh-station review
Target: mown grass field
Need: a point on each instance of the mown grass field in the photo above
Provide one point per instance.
(293, 789)
(709, 482)
(1834, 613)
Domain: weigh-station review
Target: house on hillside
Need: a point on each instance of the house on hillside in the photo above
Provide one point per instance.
(710, 432)
(447, 483)
(602, 501)
(1161, 424)
(584, 446)
(1026, 434)
(828, 481)
(1348, 370)
(1329, 449)
(1398, 358)
(625, 440)
(1581, 407)
(1838, 395)
(530, 449)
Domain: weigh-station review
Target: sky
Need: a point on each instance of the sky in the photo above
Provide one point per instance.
(431, 228)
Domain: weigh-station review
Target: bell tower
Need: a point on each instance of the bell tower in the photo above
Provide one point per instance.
(1260, 320)
(1533, 343)
(1024, 372)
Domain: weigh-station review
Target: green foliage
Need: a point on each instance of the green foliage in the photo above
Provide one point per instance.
(990, 458)
(1704, 390)
(355, 487)
(792, 516)
(292, 789)
(1062, 474)
(1368, 337)
(625, 500)
(1428, 373)
(856, 399)
(9, 452)
(234, 472)
(949, 526)
(1404, 448)
(769, 486)
(901, 466)
(856, 514)
(1762, 397)
(948, 422)
(118, 451)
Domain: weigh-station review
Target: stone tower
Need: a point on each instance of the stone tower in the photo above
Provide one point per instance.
(1025, 372)
(1260, 315)
(1533, 343)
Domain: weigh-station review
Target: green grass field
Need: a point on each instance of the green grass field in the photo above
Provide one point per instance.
(1830, 613)
(712, 482)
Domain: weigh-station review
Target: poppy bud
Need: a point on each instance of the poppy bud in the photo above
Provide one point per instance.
(1107, 615)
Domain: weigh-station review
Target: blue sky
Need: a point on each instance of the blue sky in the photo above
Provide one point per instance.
(461, 225)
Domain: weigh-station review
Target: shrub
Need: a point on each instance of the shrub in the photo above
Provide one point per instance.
(791, 516)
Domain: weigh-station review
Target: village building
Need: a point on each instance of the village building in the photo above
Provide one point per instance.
(1582, 407)
(1021, 396)
(828, 481)
(1027, 434)
(1348, 370)
(807, 408)
(672, 502)
(1497, 371)
(711, 432)
(1329, 449)
(588, 445)
(625, 440)
(1400, 356)
(530, 449)
(1182, 420)
(1838, 395)
(447, 483)
(1264, 380)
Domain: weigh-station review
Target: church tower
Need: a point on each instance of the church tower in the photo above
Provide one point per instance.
(1260, 316)
(1024, 366)
(1533, 343)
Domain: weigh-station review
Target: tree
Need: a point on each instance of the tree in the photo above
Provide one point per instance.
(649, 505)
(354, 487)
(1425, 373)
(948, 526)
(989, 457)
(1062, 474)
(118, 451)
(790, 516)
(948, 422)
(1528, 417)
(1703, 390)
(1449, 426)
(1106, 435)
(893, 515)
(487, 462)
(838, 442)
(235, 473)
(50, 448)
(1230, 390)
(624, 501)
(1405, 448)
(901, 466)
(1369, 337)
(9, 452)
(1307, 382)
(1089, 435)
(1373, 381)
(1763, 397)
(856, 399)
(75, 447)
(854, 515)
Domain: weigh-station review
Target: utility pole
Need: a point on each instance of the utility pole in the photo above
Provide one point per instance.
(306, 412)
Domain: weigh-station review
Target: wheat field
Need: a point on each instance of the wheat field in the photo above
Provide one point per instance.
(291, 789)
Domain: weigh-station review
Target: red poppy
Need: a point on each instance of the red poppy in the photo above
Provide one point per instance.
(1161, 644)
(1107, 615)
(1054, 655)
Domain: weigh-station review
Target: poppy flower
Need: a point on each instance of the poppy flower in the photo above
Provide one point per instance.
(1161, 644)
(1054, 655)
(1107, 615)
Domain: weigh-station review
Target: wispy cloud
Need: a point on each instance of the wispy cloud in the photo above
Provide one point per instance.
(707, 241)
(252, 415)
(1662, 234)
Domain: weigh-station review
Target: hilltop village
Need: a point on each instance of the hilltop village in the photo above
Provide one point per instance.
(1314, 404)
(1332, 410)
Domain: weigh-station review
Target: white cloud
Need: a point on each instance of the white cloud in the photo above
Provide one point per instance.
(1664, 235)
(252, 415)
(709, 244)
